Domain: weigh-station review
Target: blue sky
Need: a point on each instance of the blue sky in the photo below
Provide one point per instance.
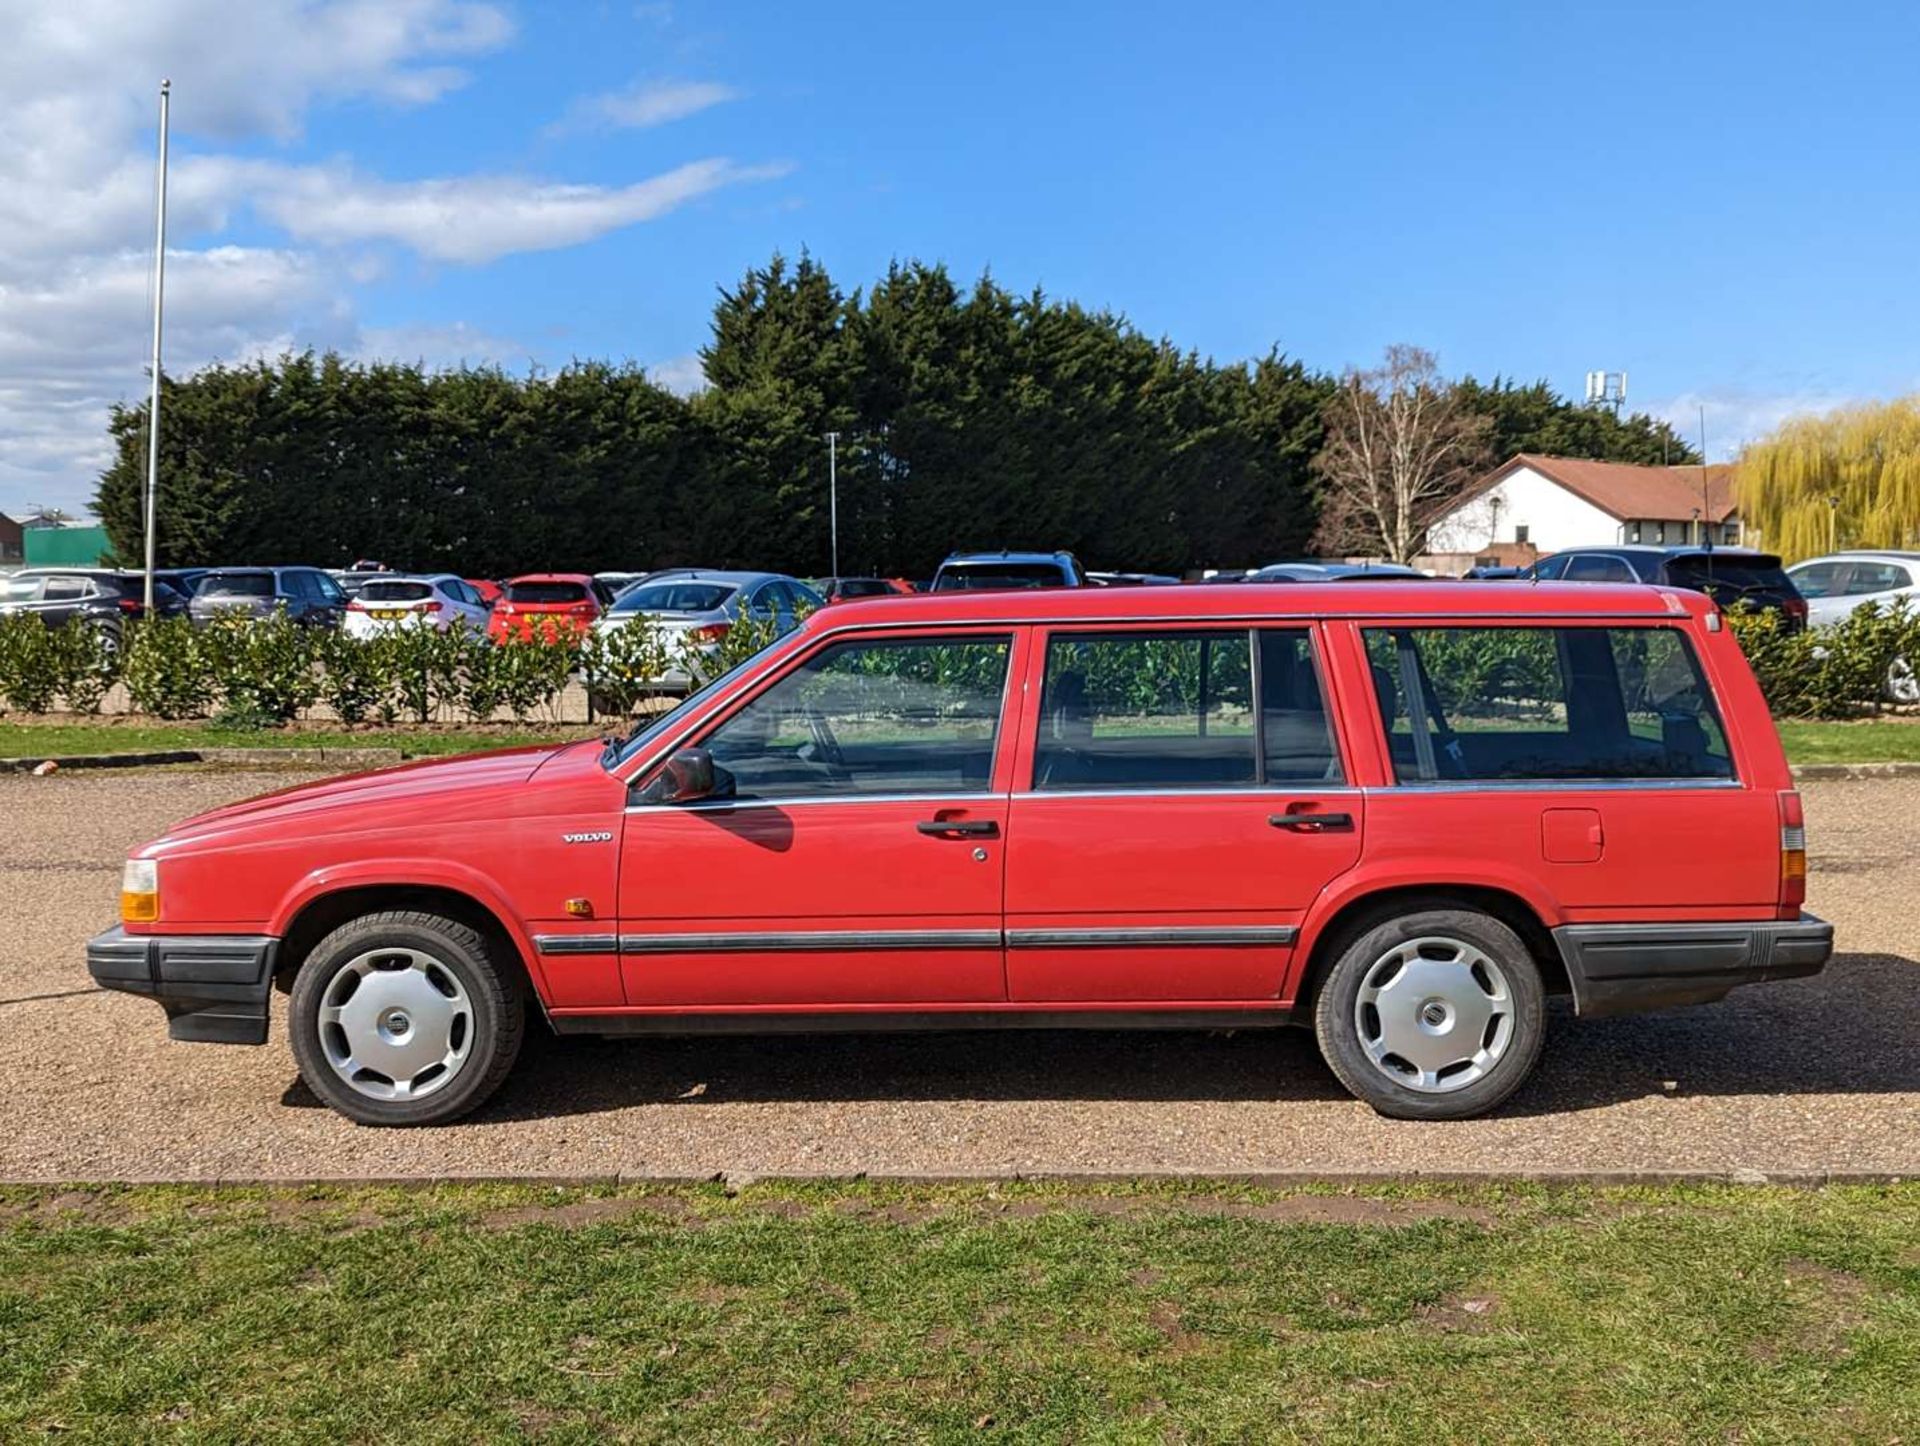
(1718, 198)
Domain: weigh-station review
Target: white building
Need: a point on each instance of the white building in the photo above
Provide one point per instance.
(1534, 505)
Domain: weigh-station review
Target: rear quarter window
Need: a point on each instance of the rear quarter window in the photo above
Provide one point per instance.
(1521, 704)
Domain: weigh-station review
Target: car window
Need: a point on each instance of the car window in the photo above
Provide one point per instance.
(65, 589)
(1730, 578)
(549, 593)
(1818, 579)
(394, 591)
(1296, 740)
(327, 589)
(1146, 710)
(996, 576)
(20, 589)
(237, 584)
(674, 597)
(872, 717)
(760, 601)
(1598, 567)
(1873, 577)
(1552, 568)
(1522, 703)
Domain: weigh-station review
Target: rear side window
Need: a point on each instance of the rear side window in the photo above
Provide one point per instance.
(546, 592)
(237, 584)
(1598, 567)
(1525, 704)
(1177, 710)
(65, 589)
(1872, 577)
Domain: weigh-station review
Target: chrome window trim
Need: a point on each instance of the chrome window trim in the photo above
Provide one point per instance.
(1272, 790)
(1188, 936)
(810, 800)
(809, 941)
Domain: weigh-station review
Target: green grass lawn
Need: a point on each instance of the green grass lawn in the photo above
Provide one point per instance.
(1031, 1313)
(1881, 741)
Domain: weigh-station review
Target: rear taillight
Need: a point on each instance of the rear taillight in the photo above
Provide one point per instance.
(709, 632)
(356, 606)
(1793, 854)
(435, 606)
(130, 605)
(583, 610)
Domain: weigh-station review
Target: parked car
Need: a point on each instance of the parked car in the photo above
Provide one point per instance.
(840, 589)
(695, 608)
(1401, 814)
(106, 600)
(1494, 572)
(489, 590)
(435, 600)
(308, 595)
(352, 579)
(1834, 586)
(618, 582)
(1000, 571)
(1334, 572)
(543, 603)
(1728, 575)
(183, 580)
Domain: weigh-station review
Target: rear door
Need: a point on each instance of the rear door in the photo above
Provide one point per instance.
(854, 854)
(1181, 802)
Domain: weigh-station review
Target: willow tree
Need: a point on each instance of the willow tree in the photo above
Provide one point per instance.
(1850, 478)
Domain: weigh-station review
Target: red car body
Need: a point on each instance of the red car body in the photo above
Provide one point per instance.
(1021, 899)
(546, 604)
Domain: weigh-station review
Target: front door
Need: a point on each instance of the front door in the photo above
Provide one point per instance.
(853, 852)
(1184, 805)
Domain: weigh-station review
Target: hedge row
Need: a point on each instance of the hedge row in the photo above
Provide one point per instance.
(270, 671)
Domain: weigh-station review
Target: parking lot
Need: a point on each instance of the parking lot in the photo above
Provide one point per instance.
(1813, 1076)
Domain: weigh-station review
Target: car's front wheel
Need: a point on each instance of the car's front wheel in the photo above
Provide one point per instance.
(1903, 684)
(405, 1018)
(1435, 1014)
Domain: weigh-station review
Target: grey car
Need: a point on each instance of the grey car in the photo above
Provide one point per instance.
(308, 595)
(1837, 584)
(693, 608)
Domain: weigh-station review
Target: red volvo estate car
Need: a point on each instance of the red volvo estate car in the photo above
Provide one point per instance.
(1401, 814)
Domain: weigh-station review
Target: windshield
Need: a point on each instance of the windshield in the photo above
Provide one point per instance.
(545, 592)
(675, 597)
(395, 591)
(637, 742)
(237, 584)
(989, 576)
(1741, 576)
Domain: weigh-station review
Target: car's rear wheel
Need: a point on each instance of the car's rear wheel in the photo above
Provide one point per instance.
(403, 1018)
(1903, 684)
(1435, 1014)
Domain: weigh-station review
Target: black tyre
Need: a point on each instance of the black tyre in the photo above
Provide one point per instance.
(406, 1018)
(1435, 1014)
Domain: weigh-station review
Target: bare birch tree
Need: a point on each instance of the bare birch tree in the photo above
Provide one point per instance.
(1400, 446)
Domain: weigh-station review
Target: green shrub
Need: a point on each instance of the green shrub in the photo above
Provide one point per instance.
(85, 658)
(623, 665)
(166, 669)
(354, 677)
(263, 666)
(29, 671)
(1837, 671)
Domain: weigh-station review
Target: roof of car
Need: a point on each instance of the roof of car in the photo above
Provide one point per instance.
(1851, 553)
(1014, 557)
(585, 579)
(1428, 597)
(713, 575)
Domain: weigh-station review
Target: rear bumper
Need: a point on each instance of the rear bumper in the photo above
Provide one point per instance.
(214, 987)
(1625, 968)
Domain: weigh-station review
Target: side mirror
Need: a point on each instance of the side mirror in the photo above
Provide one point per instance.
(685, 776)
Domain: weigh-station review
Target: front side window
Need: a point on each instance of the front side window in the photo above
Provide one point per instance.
(1819, 579)
(1177, 710)
(1519, 704)
(908, 716)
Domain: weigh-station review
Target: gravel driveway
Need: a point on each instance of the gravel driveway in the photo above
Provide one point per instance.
(1815, 1076)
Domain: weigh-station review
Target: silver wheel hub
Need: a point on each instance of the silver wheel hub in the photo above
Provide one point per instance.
(395, 1024)
(1434, 1014)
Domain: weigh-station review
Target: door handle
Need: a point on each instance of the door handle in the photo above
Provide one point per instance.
(959, 828)
(1310, 822)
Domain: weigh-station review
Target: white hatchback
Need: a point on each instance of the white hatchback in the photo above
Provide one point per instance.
(437, 600)
(1837, 584)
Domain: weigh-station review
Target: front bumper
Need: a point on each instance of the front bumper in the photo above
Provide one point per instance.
(214, 987)
(1626, 968)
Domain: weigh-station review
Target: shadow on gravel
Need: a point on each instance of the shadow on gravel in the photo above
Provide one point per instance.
(1853, 1030)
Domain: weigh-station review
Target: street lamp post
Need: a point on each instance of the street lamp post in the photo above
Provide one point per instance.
(153, 399)
(833, 496)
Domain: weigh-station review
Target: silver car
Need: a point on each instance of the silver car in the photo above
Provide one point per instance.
(692, 609)
(1837, 584)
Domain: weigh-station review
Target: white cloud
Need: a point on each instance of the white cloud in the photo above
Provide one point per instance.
(1736, 416)
(475, 219)
(76, 199)
(645, 103)
(683, 375)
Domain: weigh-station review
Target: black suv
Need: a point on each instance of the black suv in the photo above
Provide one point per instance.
(308, 595)
(1728, 575)
(99, 596)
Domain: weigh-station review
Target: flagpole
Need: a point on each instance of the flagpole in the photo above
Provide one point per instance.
(153, 399)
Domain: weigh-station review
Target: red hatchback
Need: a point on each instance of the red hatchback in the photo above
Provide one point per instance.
(547, 604)
(1402, 815)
